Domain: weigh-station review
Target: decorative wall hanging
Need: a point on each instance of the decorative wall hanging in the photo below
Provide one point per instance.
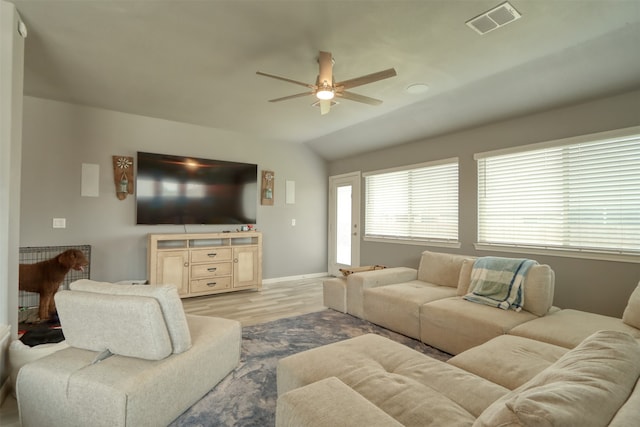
(123, 176)
(266, 192)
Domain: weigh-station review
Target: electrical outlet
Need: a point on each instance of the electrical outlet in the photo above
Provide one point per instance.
(293, 222)
(59, 223)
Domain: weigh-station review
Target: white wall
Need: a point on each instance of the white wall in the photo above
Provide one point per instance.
(597, 286)
(59, 137)
(11, 70)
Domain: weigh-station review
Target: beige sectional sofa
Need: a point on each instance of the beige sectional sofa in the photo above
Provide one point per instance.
(373, 381)
(536, 367)
(427, 303)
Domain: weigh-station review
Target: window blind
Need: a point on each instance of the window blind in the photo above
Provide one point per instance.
(580, 197)
(419, 203)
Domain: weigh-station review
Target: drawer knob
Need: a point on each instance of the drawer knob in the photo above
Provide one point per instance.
(186, 264)
(211, 269)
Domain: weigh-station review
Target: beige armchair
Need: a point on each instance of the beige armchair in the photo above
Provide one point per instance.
(135, 359)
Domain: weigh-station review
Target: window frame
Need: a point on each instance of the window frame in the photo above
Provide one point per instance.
(621, 255)
(419, 241)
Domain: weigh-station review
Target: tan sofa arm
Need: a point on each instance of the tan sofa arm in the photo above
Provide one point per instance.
(329, 402)
(358, 282)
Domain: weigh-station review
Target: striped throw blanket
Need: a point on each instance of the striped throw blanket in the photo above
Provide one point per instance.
(498, 282)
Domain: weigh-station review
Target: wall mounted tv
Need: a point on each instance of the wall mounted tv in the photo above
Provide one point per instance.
(189, 190)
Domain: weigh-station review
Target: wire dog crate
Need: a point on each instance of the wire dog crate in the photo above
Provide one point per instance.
(33, 254)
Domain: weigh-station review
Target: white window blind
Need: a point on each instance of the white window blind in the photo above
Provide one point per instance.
(419, 203)
(582, 196)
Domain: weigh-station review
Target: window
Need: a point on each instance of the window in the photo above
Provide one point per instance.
(415, 204)
(580, 195)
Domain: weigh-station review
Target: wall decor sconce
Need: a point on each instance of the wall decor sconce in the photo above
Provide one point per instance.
(123, 176)
(266, 192)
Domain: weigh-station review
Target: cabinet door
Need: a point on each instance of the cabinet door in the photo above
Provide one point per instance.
(245, 267)
(173, 269)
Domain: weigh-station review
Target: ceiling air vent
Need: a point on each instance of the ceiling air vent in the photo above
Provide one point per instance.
(494, 18)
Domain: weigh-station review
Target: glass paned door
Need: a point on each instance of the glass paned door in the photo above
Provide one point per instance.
(344, 222)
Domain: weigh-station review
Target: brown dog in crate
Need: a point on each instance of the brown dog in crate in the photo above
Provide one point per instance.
(45, 278)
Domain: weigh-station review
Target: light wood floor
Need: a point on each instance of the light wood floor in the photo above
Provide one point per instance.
(274, 301)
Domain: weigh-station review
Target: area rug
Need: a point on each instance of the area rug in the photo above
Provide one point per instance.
(247, 396)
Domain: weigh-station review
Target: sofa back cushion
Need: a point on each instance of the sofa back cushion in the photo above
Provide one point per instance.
(586, 386)
(130, 326)
(440, 268)
(166, 295)
(631, 315)
(539, 286)
(464, 280)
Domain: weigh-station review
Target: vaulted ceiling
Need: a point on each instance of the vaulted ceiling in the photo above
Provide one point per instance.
(195, 61)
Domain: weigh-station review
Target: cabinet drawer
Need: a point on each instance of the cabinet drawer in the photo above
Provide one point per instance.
(210, 284)
(211, 254)
(201, 271)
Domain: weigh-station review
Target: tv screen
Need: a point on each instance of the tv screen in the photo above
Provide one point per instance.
(189, 190)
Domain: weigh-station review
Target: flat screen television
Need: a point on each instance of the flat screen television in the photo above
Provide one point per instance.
(189, 190)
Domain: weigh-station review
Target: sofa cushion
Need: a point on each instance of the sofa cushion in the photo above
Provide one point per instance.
(631, 315)
(132, 326)
(628, 414)
(538, 288)
(440, 268)
(397, 307)
(464, 280)
(406, 384)
(167, 296)
(20, 354)
(329, 402)
(508, 360)
(498, 282)
(568, 328)
(455, 325)
(586, 386)
(358, 282)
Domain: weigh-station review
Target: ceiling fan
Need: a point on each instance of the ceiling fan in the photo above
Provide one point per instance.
(325, 88)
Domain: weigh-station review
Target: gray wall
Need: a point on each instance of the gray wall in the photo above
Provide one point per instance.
(58, 137)
(597, 286)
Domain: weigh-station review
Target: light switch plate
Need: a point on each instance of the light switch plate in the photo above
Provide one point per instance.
(59, 223)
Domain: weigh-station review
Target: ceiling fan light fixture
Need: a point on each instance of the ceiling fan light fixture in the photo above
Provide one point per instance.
(325, 94)
(325, 91)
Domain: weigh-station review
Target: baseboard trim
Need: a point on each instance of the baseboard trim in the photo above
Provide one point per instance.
(289, 278)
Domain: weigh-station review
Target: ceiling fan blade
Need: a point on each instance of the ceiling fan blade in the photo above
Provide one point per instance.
(325, 106)
(297, 95)
(358, 98)
(326, 68)
(260, 73)
(369, 78)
